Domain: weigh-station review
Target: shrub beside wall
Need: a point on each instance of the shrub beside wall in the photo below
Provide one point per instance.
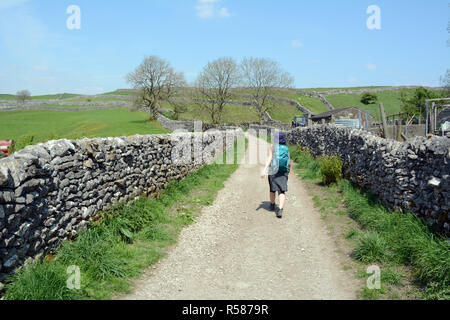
(412, 176)
(50, 192)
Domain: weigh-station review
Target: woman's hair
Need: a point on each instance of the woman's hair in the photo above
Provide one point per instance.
(281, 139)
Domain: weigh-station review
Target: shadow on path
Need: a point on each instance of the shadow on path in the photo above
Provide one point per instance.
(266, 206)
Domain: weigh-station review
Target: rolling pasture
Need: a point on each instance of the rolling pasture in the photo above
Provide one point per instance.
(44, 125)
(47, 125)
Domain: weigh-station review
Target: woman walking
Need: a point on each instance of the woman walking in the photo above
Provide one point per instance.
(277, 169)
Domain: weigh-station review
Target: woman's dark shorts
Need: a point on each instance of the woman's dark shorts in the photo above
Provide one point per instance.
(279, 182)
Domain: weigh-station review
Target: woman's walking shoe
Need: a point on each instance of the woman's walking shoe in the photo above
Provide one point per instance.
(280, 213)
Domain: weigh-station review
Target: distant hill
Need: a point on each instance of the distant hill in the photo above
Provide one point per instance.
(42, 97)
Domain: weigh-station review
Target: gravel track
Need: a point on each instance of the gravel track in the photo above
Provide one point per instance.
(237, 249)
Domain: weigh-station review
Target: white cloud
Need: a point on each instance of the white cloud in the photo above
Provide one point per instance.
(296, 44)
(371, 66)
(4, 4)
(207, 9)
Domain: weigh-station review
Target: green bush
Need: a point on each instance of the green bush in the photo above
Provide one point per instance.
(330, 169)
(368, 98)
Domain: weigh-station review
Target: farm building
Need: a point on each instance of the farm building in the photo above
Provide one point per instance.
(349, 117)
(444, 115)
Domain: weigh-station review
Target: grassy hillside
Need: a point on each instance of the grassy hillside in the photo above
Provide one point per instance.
(55, 96)
(236, 113)
(120, 93)
(284, 112)
(45, 125)
(315, 105)
(232, 113)
(7, 97)
(389, 98)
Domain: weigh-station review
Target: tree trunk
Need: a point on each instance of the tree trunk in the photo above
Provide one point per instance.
(153, 111)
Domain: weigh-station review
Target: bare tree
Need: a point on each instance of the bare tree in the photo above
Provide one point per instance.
(263, 76)
(445, 81)
(155, 81)
(214, 84)
(22, 96)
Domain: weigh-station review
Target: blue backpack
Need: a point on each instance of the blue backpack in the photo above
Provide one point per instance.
(281, 158)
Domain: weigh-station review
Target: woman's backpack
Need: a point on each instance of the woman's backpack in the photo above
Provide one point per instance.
(281, 158)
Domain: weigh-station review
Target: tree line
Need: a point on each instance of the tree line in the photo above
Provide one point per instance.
(156, 82)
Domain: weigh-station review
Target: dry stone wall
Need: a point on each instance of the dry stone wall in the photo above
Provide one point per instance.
(321, 96)
(412, 176)
(187, 125)
(49, 192)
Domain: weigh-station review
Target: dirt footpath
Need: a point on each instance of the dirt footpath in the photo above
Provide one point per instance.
(237, 249)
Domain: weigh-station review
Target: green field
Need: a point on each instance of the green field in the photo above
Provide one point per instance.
(284, 112)
(389, 98)
(45, 125)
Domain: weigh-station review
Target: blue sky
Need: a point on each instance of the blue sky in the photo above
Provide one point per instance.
(323, 43)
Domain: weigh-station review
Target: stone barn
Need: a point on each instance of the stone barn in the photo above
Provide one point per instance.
(348, 117)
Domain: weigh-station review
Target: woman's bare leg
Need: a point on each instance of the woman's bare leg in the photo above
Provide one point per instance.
(282, 200)
(272, 197)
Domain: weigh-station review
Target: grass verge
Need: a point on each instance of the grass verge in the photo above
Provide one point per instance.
(124, 241)
(392, 240)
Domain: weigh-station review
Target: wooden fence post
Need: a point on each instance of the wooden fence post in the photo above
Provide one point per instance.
(383, 119)
(398, 126)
